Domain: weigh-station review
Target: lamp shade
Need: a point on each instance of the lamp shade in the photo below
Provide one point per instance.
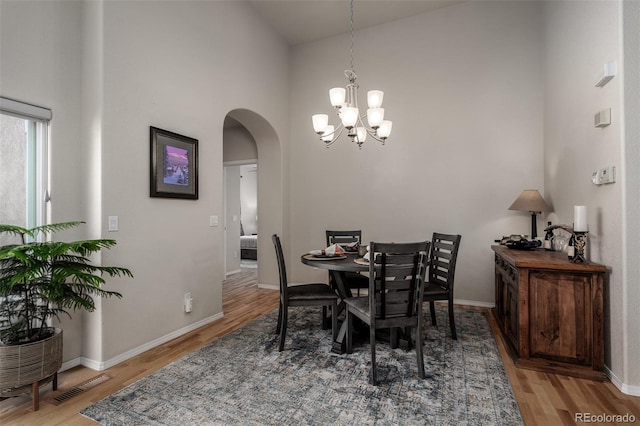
(374, 98)
(327, 135)
(375, 116)
(337, 96)
(385, 129)
(530, 200)
(320, 122)
(349, 116)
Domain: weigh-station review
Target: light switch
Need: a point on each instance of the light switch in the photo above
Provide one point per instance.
(113, 223)
(213, 220)
(607, 174)
(602, 118)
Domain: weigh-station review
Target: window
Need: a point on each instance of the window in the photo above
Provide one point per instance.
(23, 163)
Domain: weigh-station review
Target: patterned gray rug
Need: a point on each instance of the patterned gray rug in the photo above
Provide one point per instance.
(242, 379)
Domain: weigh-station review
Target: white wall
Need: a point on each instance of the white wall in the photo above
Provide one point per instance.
(232, 205)
(463, 89)
(181, 66)
(574, 148)
(476, 91)
(239, 145)
(249, 198)
(631, 197)
(178, 65)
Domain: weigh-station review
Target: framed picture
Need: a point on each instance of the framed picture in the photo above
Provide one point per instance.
(174, 165)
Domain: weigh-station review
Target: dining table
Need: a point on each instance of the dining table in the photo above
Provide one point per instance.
(338, 266)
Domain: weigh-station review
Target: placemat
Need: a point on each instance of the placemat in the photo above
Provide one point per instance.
(314, 257)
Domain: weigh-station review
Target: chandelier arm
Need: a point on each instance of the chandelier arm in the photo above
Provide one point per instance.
(335, 138)
(376, 137)
(340, 128)
(370, 131)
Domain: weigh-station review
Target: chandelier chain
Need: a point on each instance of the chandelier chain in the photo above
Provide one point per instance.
(351, 28)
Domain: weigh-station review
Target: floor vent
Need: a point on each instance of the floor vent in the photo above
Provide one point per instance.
(78, 389)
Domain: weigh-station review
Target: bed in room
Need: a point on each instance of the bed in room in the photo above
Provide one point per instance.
(249, 247)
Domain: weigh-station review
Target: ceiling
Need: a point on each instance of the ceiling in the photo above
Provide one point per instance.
(303, 21)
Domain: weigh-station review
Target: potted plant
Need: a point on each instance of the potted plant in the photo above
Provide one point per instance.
(39, 281)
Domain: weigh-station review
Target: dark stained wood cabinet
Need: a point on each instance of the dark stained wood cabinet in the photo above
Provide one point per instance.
(550, 311)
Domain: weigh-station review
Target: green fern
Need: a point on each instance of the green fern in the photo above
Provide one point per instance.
(44, 280)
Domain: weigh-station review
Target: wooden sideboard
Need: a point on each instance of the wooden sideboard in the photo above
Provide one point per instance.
(550, 311)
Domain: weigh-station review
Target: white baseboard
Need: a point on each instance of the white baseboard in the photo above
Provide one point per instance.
(70, 364)
(103, 365)
(232, 272)
(269, 286)
(624, 388)
(474, 303)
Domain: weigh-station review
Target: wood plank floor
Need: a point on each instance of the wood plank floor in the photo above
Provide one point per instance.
(544, 399)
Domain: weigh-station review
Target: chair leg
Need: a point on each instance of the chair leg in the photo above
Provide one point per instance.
(393, 337)
(452, 321)
(372, 339)
(349, 320)
(432, 308)
(283, 331)
(279, 323)
(334, 321)
(324, 318)
(419, 350)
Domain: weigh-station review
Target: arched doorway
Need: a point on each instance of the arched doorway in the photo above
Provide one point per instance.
(269, 188)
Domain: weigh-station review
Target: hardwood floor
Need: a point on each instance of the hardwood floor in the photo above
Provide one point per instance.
(544, 399)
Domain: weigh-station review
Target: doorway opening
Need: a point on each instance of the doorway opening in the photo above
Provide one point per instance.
(250, 139)
(241, 198)
(249, 216)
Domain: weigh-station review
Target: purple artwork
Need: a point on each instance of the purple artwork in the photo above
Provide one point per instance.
(176, 166)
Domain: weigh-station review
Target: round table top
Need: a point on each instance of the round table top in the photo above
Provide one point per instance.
(346, 264)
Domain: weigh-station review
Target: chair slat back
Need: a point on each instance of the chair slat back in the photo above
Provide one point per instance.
(444, 255)
(281, 266)
(343, 237)
(396, 278)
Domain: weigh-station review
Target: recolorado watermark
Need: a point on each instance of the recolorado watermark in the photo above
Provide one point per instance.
(604, 418)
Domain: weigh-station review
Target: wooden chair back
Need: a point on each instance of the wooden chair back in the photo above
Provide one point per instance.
(396, 279)
(442, 263)
(281, 267)
(343, 237)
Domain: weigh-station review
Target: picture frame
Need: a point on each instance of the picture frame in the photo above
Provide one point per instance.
(173, 165)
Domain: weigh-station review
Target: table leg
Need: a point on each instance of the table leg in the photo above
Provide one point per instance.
(339, 346)
(338, 281)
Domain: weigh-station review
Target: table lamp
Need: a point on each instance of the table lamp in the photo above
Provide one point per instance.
(530, 201)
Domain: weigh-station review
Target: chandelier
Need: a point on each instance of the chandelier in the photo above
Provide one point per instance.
(345, 103)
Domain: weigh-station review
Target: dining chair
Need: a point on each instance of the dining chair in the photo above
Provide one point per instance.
(440, 279)
(396, 282)
(311, 294)
(353, 280)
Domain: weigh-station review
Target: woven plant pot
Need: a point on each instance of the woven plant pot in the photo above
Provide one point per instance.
(22, 365)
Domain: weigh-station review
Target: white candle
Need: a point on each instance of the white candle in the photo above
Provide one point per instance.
(580, 218)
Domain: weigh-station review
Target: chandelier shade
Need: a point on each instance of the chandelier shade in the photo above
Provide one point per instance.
(344, 100)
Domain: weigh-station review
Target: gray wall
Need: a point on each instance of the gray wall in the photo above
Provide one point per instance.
(232, 221)
(487, 99)
(463, 89)
(628, 375)
(574, 148)
(180, 66)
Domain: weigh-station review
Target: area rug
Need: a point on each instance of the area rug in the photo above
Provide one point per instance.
(242, 379)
